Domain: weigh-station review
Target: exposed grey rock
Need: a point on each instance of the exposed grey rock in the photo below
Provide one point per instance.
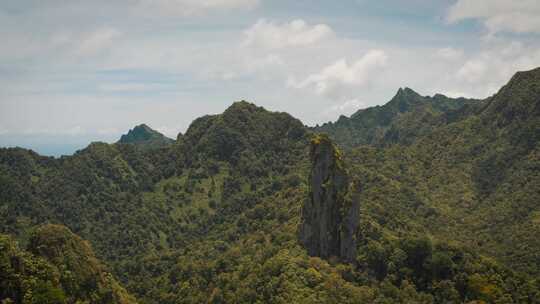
(329, 215)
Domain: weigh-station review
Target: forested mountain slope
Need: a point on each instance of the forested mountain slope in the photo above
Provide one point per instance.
(476, 180)
(57, 267)
(447, 193)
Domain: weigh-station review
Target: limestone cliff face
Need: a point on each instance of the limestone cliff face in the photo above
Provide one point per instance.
(329, 215)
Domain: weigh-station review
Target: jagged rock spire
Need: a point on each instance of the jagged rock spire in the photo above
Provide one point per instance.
(329, 215)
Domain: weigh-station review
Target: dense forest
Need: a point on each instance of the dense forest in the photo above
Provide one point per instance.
(421, 200)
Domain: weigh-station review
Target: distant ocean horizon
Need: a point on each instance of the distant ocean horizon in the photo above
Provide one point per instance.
(52, 145)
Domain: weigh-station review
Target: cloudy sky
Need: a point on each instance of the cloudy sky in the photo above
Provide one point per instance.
(77, 71)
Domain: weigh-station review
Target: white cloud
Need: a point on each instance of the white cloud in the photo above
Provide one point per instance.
(108, 131)
(473, 71)
(132, 87)
(519, 16)
(77, 130)
(450, 54)
(72, 131)
(187, 8)
(269, 35)
(485, 72)
(270, 60)
(347, 107)
(96, 41)
(46, 84)
(339, 75)
(244, 64)
(58, 46)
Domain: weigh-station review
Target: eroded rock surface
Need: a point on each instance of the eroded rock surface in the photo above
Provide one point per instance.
(330, 214)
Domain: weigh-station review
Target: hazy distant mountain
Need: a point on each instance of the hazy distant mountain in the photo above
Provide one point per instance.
(146, 137)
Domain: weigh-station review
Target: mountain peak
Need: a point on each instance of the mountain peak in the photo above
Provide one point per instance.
(144, 135)
(406, 92)
(524, 80)
(144, 127)
(243, 103)
(242, 127)
(404, 98)
(530, 75)
(517, 101)
(243, 106)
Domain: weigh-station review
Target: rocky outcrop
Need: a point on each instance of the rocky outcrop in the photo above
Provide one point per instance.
(329, 215)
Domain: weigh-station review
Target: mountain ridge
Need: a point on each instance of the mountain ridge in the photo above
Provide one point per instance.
(447, 209)
(381, 125)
